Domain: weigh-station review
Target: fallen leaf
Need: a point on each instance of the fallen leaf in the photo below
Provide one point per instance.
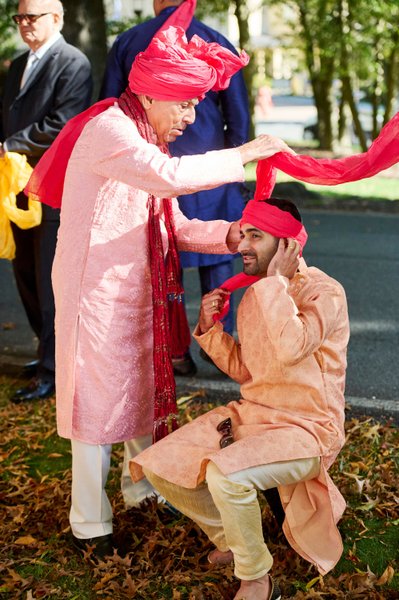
(25, 540)
(386, 577)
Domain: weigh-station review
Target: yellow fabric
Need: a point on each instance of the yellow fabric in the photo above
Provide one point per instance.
(14, 175)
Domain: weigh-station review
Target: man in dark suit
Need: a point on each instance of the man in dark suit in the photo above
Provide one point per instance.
(45, 87)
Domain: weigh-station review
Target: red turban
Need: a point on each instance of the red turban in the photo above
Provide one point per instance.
(169, 69)
(275, 221)
(272, 219)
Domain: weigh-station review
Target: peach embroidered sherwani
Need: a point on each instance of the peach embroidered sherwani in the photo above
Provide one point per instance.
(291, 364)
(101, 272)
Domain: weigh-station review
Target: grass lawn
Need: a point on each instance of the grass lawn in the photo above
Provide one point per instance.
(167, 558)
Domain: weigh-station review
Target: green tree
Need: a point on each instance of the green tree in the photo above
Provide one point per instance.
(356, 43)
(241, 11)
(8, 39)
(315, 31)
(85, 28)
(7, 29)
(369, 45)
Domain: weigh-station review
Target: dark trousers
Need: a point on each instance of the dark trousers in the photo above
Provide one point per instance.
(35, 249)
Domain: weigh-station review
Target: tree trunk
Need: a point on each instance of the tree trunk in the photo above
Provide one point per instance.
(85, 29)
(347, 91)
(242, 14)
(321, 72)
(391, 77)
(322, 86)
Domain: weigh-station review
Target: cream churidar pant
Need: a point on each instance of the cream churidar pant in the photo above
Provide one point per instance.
(91, 512)
(226, 508)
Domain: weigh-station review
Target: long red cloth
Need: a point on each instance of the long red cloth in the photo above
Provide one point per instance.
(167, 290)
(382, 154)
(46, 184)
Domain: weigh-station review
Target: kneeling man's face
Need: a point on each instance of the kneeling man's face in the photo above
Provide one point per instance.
(257, 248)
(169, 118)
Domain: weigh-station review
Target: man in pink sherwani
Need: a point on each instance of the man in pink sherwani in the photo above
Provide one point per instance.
(116, 265)
(288, 427)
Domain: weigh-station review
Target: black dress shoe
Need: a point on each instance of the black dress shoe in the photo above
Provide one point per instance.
(29, 369)
(98, 547)
(185, 366)
(38, 389)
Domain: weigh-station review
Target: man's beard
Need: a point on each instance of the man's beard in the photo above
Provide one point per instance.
(252, 268)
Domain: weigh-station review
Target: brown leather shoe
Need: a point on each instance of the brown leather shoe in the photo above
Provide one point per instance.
(217, 557)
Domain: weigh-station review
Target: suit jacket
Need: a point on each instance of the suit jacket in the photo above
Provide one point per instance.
(59, 88)
(222, 121)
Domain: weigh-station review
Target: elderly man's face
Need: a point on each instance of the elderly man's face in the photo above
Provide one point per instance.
(257, 248)
(36, 33)
(169, 119)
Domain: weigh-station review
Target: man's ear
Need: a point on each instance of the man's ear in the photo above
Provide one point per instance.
(146, 102)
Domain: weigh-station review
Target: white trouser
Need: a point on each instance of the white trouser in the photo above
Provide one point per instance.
(91, 512)
(226, 508)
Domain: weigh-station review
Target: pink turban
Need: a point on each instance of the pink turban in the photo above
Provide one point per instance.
(275, 221)
(171, 68)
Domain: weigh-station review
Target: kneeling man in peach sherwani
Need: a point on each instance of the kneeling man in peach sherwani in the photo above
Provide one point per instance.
(287, 428)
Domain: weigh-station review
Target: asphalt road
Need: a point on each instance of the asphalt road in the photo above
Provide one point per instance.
(360, 250)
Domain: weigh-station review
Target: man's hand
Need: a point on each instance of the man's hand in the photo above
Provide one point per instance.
(263, 146)
(285, 262)
(211, 305)
(233, 237)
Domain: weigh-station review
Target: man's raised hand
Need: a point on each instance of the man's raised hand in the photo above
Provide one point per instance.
(285, 262)
(211, 304)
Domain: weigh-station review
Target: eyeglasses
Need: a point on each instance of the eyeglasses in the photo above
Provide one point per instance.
(28, 17)
(224, 428)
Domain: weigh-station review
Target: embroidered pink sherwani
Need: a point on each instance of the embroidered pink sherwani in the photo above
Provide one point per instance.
(101, 272)
(291, 364)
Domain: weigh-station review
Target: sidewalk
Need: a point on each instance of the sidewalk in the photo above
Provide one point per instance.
(216, 387)
(222, 389)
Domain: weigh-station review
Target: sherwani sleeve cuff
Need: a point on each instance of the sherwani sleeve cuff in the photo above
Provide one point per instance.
(223, 350)
(205, 339)
(194, 235)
